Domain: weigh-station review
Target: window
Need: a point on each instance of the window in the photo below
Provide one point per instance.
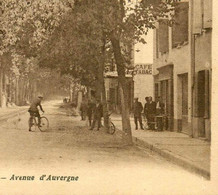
(202, 15)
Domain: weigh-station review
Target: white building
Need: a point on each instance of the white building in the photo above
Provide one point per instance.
(182, 67)
(143, 78)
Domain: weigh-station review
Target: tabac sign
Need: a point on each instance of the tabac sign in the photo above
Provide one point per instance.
(143, 69)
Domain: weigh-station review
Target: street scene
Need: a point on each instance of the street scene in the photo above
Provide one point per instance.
(103, 162)
(105, 97)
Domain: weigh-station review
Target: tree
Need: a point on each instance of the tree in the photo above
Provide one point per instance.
(124, 22)
(119, 22)
(24, 27)
(79, 52)
(90, 24)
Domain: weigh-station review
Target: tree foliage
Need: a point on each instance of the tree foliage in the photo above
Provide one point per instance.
(78, 37)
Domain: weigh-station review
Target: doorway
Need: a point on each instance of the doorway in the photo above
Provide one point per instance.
(183, 103)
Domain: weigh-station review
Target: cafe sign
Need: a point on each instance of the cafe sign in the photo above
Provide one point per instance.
(143, 69)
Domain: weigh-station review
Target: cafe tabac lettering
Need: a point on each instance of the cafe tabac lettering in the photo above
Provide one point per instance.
(143, 69)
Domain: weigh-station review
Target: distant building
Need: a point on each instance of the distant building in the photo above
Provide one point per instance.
(182, 67)
(143, 69)
(113, 93)
(143, 81)
(112, 85)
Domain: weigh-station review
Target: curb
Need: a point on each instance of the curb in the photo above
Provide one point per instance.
(173, 158)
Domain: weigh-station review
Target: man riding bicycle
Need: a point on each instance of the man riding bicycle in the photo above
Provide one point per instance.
(33, 110)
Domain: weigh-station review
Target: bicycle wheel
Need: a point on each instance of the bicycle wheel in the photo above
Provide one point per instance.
(44, 124)
(111, 128)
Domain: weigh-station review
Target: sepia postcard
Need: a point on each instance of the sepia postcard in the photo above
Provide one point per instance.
(108, 97)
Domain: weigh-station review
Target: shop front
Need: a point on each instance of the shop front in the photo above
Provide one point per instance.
(164, 89)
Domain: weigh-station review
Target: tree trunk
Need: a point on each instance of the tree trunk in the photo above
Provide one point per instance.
(105, 108)
(103, 91)
(123, 90)
(100, 84)
(1, 85)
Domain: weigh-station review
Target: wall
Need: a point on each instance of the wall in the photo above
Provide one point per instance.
(180, 59)
(144, 83)
(143, 86)
(203, 51)
(203, 62)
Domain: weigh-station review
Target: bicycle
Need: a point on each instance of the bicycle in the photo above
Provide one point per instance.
(144, 122)
(112, 128)
(44, 125)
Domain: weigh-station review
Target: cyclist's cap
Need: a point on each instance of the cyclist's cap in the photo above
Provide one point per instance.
(40, 96)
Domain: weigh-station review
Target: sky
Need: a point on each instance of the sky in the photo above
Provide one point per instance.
(145, 55)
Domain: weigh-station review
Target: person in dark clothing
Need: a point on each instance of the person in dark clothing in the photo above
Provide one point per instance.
(137, 110)
(146, 111)
(98, 114)
(159, 113)
(83, 110)
(90, 110)
(150, 112)
(159, 107)
(34, 111)
(145, 107)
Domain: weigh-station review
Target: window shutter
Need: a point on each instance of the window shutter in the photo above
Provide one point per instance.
(163, 37)
(201, 93)
(197, 16)
(207, 14)
(180, 28)
(207, 94)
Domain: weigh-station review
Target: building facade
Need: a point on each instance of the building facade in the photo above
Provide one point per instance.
(143, 59)
(182, 67)
(143, 81)
(113, 92)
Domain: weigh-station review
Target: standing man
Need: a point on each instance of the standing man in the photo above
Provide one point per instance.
(146, 107)
(150, 112)
(90, 110)
(159, 113)
(33, 110)
(98, 114)
(137, 110)
(146, 111)
(159, 107)
(83, 110)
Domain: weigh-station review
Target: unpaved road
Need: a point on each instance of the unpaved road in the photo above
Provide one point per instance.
(102, 162)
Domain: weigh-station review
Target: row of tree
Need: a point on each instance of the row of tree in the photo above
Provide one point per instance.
(24, 27)
(79, 38)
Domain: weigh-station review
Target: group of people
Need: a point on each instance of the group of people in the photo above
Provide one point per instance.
(150, 110)
(94, 111)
